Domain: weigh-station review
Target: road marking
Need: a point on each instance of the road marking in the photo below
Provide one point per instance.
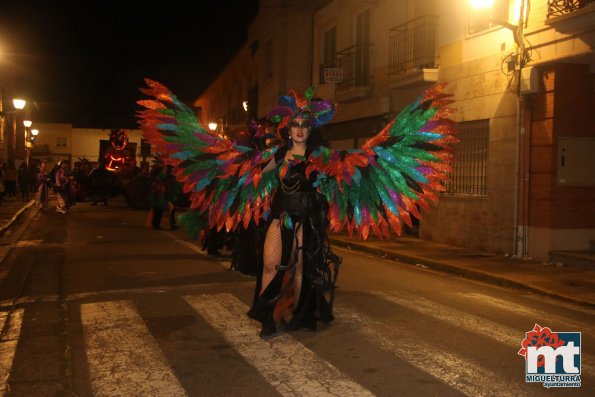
(123, 357)
(537, 314)
(8, 344)
(461, 374)
(468, 322)
(140, 290)
(285, 363)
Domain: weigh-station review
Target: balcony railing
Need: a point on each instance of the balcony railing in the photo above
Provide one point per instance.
(354, 61)
(556, 8)
(411, 46)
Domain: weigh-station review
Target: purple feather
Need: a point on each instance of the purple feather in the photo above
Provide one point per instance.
(198, 175)
(347, 177)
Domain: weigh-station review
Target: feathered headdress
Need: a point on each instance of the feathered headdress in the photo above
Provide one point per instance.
(294, 104)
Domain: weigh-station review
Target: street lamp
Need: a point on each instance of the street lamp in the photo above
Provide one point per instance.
(34, 133)
(212, 126)
(517, 30)
(27, 123)
(19, 104)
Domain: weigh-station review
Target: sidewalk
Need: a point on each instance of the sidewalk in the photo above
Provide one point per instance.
(570, 283)
(11, 210)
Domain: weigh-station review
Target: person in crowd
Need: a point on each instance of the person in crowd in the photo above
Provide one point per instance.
(62, 188)
(101, 181)
(157, 196)
(172, 194)
(43, 187)
(10, 181)
(23, 181)
(32, 170)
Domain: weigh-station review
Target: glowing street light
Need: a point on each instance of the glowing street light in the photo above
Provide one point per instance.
(27, 123)
(19, 103)
(479, 4)
(212, 126)
(34, 132)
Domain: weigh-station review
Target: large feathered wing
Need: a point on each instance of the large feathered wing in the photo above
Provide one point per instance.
(377, 187)
(225, 181)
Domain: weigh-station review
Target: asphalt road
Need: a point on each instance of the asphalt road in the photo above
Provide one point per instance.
(94, 303)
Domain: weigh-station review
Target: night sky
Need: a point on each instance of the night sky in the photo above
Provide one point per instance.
(84, 63)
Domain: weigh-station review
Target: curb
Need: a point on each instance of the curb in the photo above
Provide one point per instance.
(16, 216)
(472, 274)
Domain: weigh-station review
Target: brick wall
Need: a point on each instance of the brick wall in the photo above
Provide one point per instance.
(563, 108)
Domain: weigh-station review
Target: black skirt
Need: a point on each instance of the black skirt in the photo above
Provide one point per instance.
(307, 211)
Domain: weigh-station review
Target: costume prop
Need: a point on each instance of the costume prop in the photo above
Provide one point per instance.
(375, 188)
(371, 189)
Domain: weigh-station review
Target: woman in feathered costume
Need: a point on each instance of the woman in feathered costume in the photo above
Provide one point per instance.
(302, 188)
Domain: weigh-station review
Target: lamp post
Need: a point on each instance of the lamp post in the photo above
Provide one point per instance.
(9, 143)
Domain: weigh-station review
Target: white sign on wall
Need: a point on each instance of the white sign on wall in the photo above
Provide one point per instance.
(332, 75)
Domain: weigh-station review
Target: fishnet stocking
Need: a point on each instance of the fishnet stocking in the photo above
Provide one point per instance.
(272, 257)
(271, 254)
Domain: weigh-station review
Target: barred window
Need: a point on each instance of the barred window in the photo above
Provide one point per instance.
(469, 176)
(487, 18)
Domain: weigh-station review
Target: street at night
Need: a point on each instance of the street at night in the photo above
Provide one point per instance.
(96, 303)
(442, 149)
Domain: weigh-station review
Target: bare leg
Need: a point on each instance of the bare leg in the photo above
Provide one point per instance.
(271, 254)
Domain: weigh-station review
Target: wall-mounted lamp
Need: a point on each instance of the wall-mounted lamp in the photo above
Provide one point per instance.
(245, 105)
(34, 132)
(517, 30)
(27, 123)
(19, 103)
(212, 126)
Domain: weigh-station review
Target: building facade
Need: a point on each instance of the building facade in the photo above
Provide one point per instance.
(521, 73)
(62, 142)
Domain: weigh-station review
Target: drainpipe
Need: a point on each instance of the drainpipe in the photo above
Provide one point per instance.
(521, 231)
(516, 227)
(521, 204)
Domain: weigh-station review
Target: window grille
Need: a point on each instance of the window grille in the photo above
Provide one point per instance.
(487, 18)
(469, 176)
(556, 8)
(411, 46)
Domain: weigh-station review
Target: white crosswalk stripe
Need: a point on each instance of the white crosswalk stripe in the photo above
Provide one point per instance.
(124, 359)
(540, 315)
(286, 364)
(457, 372)
(469, 322)
(8, 343)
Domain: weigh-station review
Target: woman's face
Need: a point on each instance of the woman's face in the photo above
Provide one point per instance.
(299, 130)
